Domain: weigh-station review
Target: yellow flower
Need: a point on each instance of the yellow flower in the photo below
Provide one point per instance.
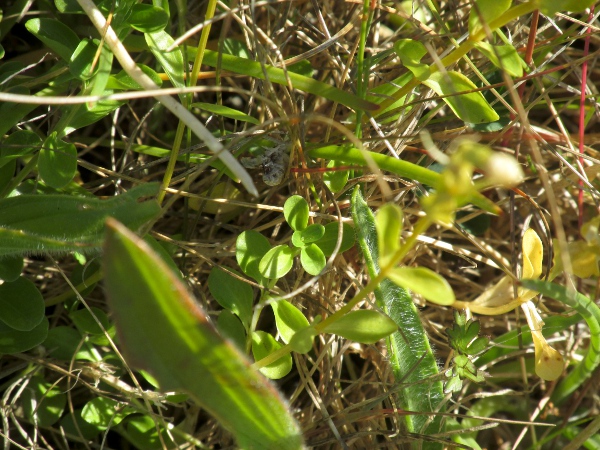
(500, 299)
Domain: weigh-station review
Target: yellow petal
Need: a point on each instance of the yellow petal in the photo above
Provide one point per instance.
(549, 362)
(499, 299)
(533, 253)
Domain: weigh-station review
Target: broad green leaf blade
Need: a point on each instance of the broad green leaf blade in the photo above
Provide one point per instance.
(58, 162)
(484, 11)
(289, 319)
(123, 81)
(42, 403)
(335, 180)
(276, 262)
(229, 326)
(365, 326)
(104, 412)
(89, 114)
(411, 52)
(21, 305)
(550, 7)
(56, 35)
(172, 62)
(14, 341)
(232, 294)
(296, 212)
(311, 233)
(11, 267)
(388, 223)
(504, 57)
(65, 343)
(394, 165)
(307, 84)
(60, 223)
(312, 259)
(329, 240)
(424, 282)
(164, 331)
(251, 246)
(263, 344)
(409, 350)
(82, 59)
(18, 144)
(225, 111)
(148, 18)
(471, 107)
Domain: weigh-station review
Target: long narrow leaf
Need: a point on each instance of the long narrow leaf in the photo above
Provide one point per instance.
(164, 331)
(409, 350)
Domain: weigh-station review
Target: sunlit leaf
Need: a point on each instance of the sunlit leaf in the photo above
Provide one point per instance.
(147, 18)
(263, 344)
(504, 57)
(251, 247)
(365, 326)
(296, 212)
(468, 106)
(411, 52)
(164, 331)
(388, 223)
(484, 11)
(329, 240)
(58, 162)
(277, 262)
(550, 7)
(288, 318)
(172, 62)
(312, 259)
(311, 233)
(42, 403)
(104, 412)
(55, 34)
(424, 282)
(225, 111)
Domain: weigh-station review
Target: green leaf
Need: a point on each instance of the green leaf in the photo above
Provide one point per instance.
(329, 240)
(68, 6)
(88, 114)
(263, 344)
(409, 351)
(336, 180)
(56, 35)
(310, 234)
(504, 57)
(471, 107)
(65, 343)
(424, 282)
(11, 267)
(296, 212)
(14, 341)
(74, 425)
(164, 331)
(388, 223)
(18, 144)
(81, 61)
(365, 326)
(59, 223)
(42, 404)
(21, 304)
(232, 294)
(485, 11)
(289, 319)
(88, 325)
(104, 412)
(551, 7)
(276, 262)
(58, 162)
(148, 18)
(123, 81)
(302, 341)
(251, 246)
(312, 259)
(230, 326)
(411, 52)
(171, 62)
(224, 111)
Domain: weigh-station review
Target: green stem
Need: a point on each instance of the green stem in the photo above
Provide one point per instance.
(463, 49)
